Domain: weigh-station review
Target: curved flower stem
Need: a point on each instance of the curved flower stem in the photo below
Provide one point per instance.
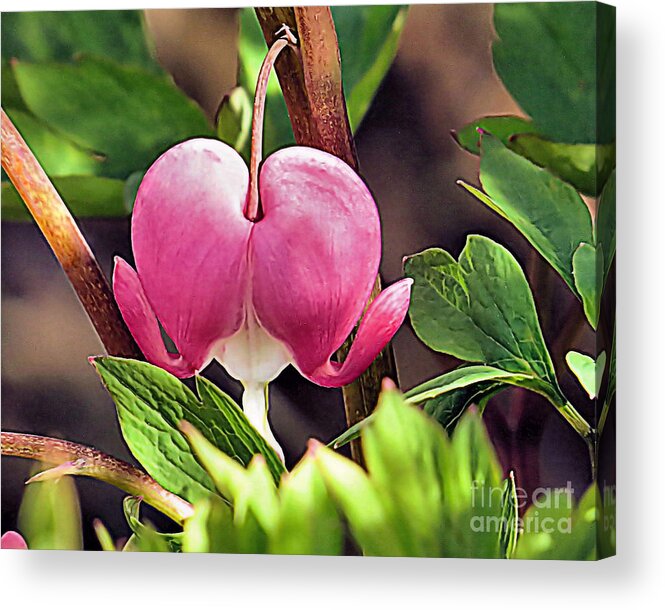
(66, 241)
(253, 206)
(74, 459)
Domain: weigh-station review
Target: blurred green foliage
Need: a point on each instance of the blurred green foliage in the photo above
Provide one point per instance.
(50, 516)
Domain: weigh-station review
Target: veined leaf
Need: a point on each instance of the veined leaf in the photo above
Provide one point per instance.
(548, 212)
(151, 403)
(480, 309)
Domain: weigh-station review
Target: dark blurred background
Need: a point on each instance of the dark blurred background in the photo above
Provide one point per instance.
(442, 78)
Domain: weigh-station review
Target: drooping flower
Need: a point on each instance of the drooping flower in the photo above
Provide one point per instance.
(257, 270)
(13, 540)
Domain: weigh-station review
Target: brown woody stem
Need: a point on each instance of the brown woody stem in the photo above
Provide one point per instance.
(66, 241)
(73, 459)
(253, 210)
(311, 82)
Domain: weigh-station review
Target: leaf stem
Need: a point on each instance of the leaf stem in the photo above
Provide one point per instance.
(73, 459)
(68, 244)
(253, 210)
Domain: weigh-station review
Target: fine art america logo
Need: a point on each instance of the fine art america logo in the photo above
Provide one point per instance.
(552, 509)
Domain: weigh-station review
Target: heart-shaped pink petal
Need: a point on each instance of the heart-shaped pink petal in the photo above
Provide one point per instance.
(190, 242)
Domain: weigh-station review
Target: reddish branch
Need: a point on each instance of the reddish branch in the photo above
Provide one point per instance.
(66, 241)
(73, 459)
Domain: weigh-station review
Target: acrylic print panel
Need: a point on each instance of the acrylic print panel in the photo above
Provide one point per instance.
(296, 315)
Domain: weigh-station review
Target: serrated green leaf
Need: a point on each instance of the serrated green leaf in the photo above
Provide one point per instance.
(60, 35)
(480, 309)
(50, 516)
(547, 211)
(125, 113)
(566, 91)
(151, 403)
(588, 371)
(85, 197)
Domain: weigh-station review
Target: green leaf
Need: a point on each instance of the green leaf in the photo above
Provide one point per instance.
(509, 517)
(588, 272)
(151, 403)
(250, 492)
(11, 96)
(502, 127)
(417, 497)
(50, 516)
(368, 38)
(234, 119)
(44, 36)
(124, 113)
(554, 528)
(588, 371)
(103, 536)
(146, 539)
(605, 227)
(547, 211)
(210, 529)
(445, 397)
(480, 309)
(562, 87)
(308, 521)
(85, 196)
(57, 154)
(586, 166)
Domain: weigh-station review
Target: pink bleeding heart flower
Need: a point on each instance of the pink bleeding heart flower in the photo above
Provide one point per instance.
(256, 271)
(13, 540)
